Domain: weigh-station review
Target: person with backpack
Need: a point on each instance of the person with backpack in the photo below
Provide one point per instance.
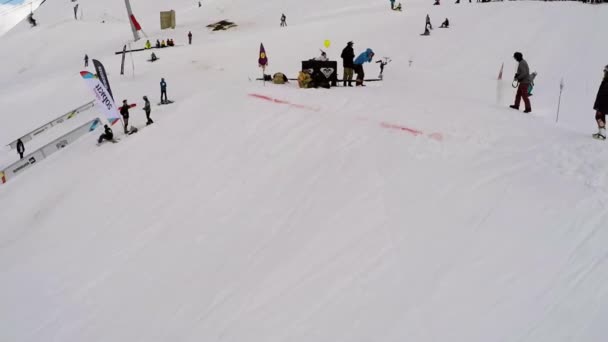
(523, 78)
(365, 57)
(107, 135)
(148, 110)
(601, 107)
(163, 91)
(348, 55)
(20, 148)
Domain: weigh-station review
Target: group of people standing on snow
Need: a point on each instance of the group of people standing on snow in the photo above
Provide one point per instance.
(354, 66)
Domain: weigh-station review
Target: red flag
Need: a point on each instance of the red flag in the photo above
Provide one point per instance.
(263, 60)
(135, 23)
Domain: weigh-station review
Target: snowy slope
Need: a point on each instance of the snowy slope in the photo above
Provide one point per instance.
(234, 218)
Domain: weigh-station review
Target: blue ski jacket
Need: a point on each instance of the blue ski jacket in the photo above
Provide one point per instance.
(365, 57)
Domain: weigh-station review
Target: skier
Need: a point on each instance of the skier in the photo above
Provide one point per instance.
(20, 148)
(601, 107)
(428, 23)
(445, 24)
(348, 55)
(163, 91)
(124, 111)
(364, 57)
(283, 20)
(189, 38)
(148, 110)
(392, 4)
(523, 78)
(107, 135)
(86, 60)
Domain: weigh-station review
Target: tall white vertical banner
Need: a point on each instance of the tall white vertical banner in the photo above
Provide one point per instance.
(132, 21)
(102, 96)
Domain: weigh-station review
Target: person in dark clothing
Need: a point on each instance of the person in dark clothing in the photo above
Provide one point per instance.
(86, 61)
(445, 24)
(392, 4)
(601, 107)
(436, 2)
(124, 111)
(428, 24)
(107, 135)
(163, 91)
(158, 44)
(189, 38)
(31, 20)
(148, 110)
(348, 56)
(523, 78)
(283, 20)
(20, 148)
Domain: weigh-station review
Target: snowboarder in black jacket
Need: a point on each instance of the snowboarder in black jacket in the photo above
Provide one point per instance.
(20, 148)
(107, 135)
(348, 55)
(148, 110)
(124, 111)
(601, 107)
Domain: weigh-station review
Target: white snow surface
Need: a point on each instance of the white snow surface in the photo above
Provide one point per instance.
(237, 219)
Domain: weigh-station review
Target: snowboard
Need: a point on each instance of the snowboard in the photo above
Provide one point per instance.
(166, 103)
(114, 141)
(597, 136)
(152, 61)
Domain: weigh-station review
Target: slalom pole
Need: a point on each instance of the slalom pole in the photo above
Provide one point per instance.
(559, 100)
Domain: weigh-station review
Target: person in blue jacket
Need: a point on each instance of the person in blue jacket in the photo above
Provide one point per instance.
(365, 57)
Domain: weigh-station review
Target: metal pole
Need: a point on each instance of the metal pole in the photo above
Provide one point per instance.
(130, 15)
(559, 101)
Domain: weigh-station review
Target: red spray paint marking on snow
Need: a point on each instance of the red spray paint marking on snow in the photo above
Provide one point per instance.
(271, 99)
(435, 136)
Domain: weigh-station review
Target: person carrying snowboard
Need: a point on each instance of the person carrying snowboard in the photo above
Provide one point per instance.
(365, 57)
(107, 135)
(148, 110)
(189, 37)
(124, 111)
(283, 20)
(523, 78)
(601, 107)
(348, 56)
(20, 148)
(163, 91)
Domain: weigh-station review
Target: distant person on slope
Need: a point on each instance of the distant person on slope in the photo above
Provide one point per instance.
(158, 44)
(445, 24)
(148, 45)
(163, 91)
(348, 56)
(189, 38)
(148, 110)
(20, 148)
(365, 57)
(523, 78)
(428, 24)
(107, 135)
(283, 20)
(601, 107)
(86, 60)
(124, 111)
(392, 4)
